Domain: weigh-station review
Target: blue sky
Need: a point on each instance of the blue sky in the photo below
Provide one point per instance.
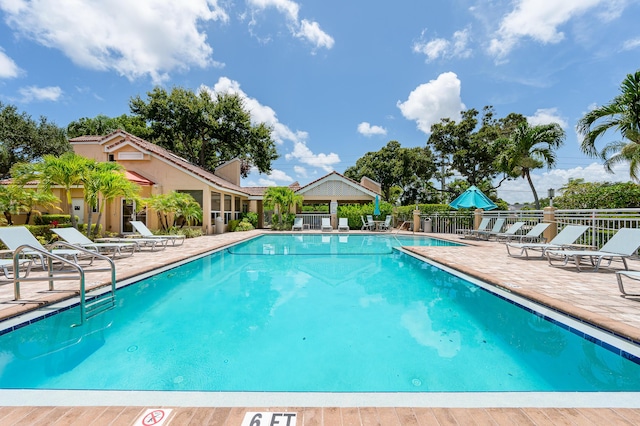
(334, 79)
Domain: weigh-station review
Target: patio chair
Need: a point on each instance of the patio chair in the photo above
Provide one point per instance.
(343, 224)
(297, 224)
(634, 275)
(511, 231)
(386, 225)
(485, 235)
(75, 237)
(566, 237)
(142, 229)
(623, 244)
(371, 222)
(365, 224)
(6, 265)
(533, 236)
(15, 236)
(484, 226)
(326, 225)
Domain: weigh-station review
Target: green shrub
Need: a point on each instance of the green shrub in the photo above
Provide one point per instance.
(191, 232)
(252, 218)
(48, 219)
(232, 225)
(244, 225)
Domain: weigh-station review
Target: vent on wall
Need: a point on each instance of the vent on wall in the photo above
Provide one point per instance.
(130, 156)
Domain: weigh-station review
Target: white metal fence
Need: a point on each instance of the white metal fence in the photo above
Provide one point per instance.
(602, 223)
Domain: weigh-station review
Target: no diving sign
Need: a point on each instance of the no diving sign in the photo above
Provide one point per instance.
(153, 417)
(269, 419)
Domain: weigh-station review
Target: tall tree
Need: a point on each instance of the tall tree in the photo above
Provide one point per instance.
(393, 166)
(466, 149)
(529, 148)
(103, 125)
(23, 139)
(206, 130)
(621, 115)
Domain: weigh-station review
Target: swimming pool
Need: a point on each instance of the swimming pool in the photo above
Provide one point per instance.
(251, 318)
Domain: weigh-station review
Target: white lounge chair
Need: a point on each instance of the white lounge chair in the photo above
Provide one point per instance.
(16, 236)
(533, 236)
(73, 236)
(634, 275)
(624, 243)
(495, 229)
(511, 231)
(483, 226)
(326, 225)
(371, 223)
(142, 229)
(297, 224)
(7, 266)
(566, 237)
(343, 224)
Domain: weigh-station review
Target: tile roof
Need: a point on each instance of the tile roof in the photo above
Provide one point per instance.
(164, 154)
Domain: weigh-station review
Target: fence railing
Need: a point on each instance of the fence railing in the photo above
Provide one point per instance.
(602, 223)
(312, 220)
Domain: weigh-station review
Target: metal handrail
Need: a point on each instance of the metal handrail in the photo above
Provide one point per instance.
(51, 277)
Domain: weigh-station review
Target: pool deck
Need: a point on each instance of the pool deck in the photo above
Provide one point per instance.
(592, 297)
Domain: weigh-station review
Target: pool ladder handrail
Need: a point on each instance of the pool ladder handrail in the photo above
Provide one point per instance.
(98, 305)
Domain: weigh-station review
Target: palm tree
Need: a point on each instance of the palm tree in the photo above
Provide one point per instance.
(97, 177)
(281, 199)
(621, 115)
(68, 171)
(175, 206)
(113, 184)
(529, 148)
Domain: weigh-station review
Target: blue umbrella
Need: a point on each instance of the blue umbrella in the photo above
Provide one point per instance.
(473, 197)
(376, 207)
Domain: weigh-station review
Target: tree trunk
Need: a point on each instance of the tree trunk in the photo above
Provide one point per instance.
(7, 216)
(533, 189)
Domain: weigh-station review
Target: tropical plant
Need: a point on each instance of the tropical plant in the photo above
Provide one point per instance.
(529, 148)
(174, 208)
(68, 171)
(621, 115)
(15, 199)
(244, 225)
(111, 183)
(281, 200)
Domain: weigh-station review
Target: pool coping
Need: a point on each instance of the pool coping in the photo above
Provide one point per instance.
(74, 398)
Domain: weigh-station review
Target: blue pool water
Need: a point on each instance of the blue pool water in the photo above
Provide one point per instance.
(309, 313)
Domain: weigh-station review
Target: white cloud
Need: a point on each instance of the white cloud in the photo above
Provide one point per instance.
(305, 29)
(280, 176)
(538, 20)
(367, 129)
(259, 113)
(631, 44)
(303, 154)
(136, 39)
(8, 68)
(281, 133)
(33, 93)
(547, 116)
(432, 101)
(442, 48)
(519, 191)
(300, 171)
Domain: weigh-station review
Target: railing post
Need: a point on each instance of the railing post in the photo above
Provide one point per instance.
(549, 216)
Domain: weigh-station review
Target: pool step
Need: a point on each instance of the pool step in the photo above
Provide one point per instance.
(100, 304)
